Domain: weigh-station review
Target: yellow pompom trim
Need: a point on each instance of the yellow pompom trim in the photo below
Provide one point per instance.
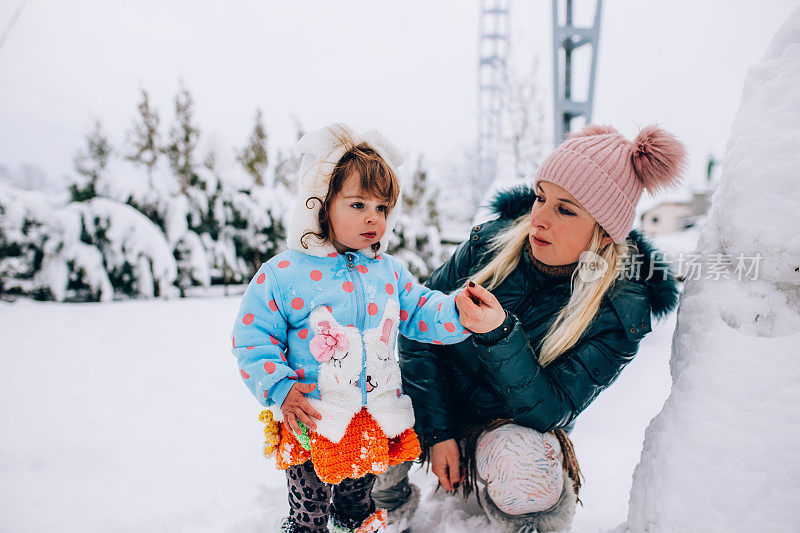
(271, 432)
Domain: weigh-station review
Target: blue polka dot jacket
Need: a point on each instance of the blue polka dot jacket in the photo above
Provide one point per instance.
(333, 321)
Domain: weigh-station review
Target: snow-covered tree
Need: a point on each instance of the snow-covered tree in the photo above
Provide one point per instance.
(253, 157)
(136, 256)
(287, 163)
(143, 225)
(183, 139)
(90, 164)
(143, 137)
(90, 250)
(417, 237)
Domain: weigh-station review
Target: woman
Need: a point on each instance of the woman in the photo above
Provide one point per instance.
(560, 292)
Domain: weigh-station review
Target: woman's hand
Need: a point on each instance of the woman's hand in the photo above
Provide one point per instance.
(478, 309)
(295, 407)
(445, 464)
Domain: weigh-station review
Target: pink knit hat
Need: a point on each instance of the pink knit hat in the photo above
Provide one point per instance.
(606, 172)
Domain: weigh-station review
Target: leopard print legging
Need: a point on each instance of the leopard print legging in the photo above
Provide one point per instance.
(310, 499)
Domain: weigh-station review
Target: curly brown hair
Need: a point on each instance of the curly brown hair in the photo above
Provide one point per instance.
(376, 179)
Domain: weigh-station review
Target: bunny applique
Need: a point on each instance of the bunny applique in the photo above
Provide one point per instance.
(367, 422)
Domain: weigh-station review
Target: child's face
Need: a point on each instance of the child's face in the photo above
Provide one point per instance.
(357, 219)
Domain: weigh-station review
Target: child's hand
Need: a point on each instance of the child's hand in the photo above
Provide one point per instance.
(296, 408)
(478, 309)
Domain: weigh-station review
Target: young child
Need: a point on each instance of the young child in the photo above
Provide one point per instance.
(315, 335)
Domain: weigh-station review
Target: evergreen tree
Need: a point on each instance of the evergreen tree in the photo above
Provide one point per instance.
(90, 164)
(183, 139)
(417, 240)
(288, 164)
(144, 138)
(254, 156)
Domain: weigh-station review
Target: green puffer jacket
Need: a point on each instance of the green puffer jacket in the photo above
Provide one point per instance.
(460, 385)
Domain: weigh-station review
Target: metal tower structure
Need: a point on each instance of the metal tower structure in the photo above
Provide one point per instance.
(493, 43)
(567, 38)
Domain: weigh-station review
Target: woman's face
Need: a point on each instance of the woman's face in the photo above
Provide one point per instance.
(560, 228)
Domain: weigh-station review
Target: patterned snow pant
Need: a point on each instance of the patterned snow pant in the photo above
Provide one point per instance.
(525, 486)
(521, 468)
(310, 499)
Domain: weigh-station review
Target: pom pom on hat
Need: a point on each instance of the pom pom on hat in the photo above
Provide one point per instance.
(658, 158)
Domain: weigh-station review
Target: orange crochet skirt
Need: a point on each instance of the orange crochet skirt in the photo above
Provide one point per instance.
(364, 449)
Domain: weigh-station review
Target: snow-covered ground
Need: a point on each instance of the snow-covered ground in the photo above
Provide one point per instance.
(131, 416)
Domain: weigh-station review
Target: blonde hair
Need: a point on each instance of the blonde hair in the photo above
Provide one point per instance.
(585, 296)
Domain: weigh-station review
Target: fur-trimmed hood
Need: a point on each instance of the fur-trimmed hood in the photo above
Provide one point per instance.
(662, 289)
(321, 150)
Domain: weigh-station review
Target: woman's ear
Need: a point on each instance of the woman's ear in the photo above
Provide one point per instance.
(605, 240)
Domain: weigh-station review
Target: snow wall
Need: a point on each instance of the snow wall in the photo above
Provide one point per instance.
(723, 454)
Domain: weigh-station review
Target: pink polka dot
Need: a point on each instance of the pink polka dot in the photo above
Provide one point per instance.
(273, 306)
(316, 275)
(449, 326)
(261, 277)
(379, 257)
(372, 309)
(423, 327)
(438, 342)
(283, 357)
(303, 333)
(298, 303)
(233, 342)
(466, 331)
(389, 288)
(333, 254)
(250, 347)
(269, 366)
(329, 308)
(244, 374)
(403, 314)
(283, 264)
(422, 301)
(292, 377)
(273, 340)
(362, 269)
(396, 276)
(301, 373)
(266, 393)
(248, 319)
(408, 286)
(347, 286)
(439, 307)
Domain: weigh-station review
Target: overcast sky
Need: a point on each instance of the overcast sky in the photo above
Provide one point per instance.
(407, 68)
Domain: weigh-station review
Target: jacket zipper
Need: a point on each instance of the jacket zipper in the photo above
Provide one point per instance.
(358, 292)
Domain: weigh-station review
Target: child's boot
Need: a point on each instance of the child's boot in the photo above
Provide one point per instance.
(371, 524)
(289, 526)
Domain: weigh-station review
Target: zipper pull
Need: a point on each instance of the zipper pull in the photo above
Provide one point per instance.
(350, 265)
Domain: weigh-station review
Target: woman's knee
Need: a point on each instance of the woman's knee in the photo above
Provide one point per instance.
(521, 467)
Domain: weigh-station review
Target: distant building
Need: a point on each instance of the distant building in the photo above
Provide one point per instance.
(672, 217)
(679, 215)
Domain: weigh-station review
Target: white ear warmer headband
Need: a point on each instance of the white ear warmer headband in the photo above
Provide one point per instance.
(321, 150)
